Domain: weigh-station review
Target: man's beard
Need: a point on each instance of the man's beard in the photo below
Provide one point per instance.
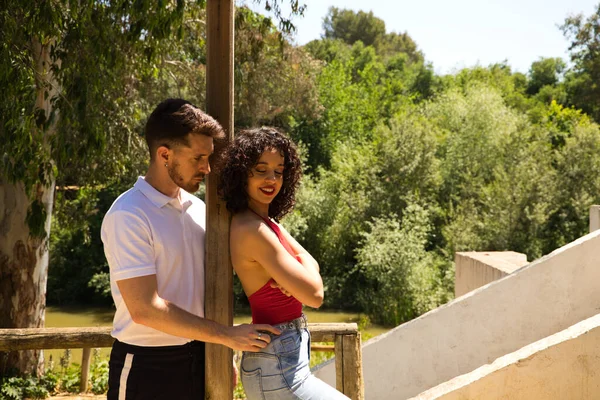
(190, 186)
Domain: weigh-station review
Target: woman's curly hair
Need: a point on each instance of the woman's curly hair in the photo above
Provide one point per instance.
(243, 154)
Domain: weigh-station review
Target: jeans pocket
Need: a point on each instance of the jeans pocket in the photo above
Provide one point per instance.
(289, 342)
(252, 382)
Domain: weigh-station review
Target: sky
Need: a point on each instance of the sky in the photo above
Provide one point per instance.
(463, 33)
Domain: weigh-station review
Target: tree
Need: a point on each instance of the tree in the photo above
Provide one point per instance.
(376, 174)
(582, 81)
(398, 43)
(393, 259)
(274, 80)
(496, 173)
(353, 26)
(545, 72)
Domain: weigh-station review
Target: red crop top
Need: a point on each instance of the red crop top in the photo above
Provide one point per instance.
(270, 305)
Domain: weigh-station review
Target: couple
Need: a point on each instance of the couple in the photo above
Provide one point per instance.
(154, 236)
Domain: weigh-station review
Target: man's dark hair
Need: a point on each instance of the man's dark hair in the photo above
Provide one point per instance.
(173, 119)
(243, 154)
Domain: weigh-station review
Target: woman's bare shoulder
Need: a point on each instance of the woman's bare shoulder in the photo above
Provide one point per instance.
(251, 231)
(246, 225)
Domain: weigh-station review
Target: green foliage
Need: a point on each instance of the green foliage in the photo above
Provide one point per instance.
(328, 50)
(367, 179)
(19, 388)
(78, 271)
(397, 268)
(98, 52)
(285, 23)
(351, 99)
(352, 27)
(31, 387)
(392, 44)
(70, 379)
(545, 72)
(486, 154)
(577, 186)
(98, 373)
(581, 80)
(289, 89)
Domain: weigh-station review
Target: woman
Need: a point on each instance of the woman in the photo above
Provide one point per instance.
(260, 173)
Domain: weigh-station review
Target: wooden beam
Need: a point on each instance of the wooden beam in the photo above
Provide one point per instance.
(54, 338)
(219, 274)
(322, 347)
(86, 357)
(339, 363)
(76, 338)
(326, 332)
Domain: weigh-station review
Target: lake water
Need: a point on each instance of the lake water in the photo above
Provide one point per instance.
(62, 317)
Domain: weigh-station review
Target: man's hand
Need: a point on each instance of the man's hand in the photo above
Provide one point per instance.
(276, 285)
(247, 337)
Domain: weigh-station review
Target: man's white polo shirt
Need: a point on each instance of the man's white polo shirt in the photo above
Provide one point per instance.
(144, 233)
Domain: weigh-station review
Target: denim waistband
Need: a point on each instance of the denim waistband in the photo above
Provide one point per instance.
(298, 323)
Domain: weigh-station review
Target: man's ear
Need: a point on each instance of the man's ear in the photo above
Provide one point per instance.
(163, 155)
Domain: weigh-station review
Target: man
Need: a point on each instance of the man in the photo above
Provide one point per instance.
(153, 239)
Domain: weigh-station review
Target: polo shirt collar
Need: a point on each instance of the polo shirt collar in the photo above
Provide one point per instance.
(186, 199)
(159, 199)
(156, 197)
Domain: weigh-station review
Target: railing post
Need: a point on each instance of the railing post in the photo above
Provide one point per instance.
(339, 362)
(594, 218)
(85, 369)
(348, 366)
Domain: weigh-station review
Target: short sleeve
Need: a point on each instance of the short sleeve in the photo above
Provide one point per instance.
(128, 245)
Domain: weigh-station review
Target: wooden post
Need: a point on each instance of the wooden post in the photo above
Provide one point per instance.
(86, 356)
(339, 362)
(594, 218)
(219, 274)
(348, 366)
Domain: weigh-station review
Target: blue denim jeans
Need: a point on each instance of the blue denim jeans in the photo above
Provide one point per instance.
(281, 371)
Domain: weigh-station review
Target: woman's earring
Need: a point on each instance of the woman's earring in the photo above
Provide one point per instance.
(166, 165)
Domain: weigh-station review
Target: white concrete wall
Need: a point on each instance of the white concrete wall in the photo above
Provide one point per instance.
(543, 298)
(476, 269)
(562, 366)
(594, 218)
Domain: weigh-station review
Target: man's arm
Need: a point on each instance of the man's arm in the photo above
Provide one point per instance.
(147, 308)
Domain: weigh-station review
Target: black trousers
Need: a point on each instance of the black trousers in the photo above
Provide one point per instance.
(169, 372)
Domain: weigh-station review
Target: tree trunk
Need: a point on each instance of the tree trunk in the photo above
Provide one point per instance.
(23, 272)
(24, 257)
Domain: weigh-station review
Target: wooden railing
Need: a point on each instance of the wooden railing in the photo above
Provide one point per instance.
(346, 339)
